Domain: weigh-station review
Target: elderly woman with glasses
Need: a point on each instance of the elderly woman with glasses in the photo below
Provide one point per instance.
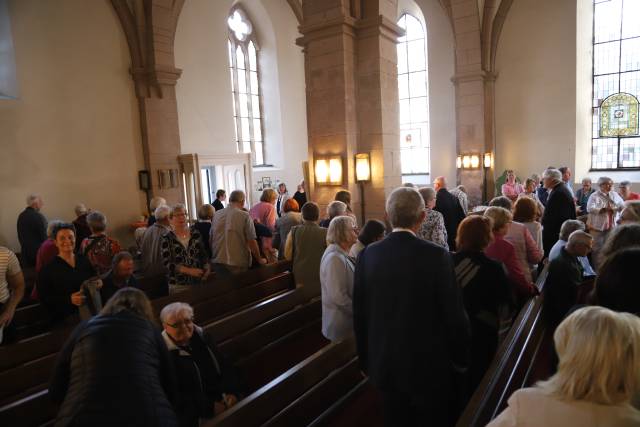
(337, 269)
(603, 206)
(183, 252)
(207, 383)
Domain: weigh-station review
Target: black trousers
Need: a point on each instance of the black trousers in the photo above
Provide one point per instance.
(404, 410)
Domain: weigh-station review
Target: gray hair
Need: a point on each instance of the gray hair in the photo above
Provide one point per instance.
(336, 208)
(604, 180)
(32, 198)
(156, 202)
(625, 183)
(339, 229)
(502, 202)
(553, 174)
(579, 237)
(97, 221)
(404, 207)
(568, 227)
(428, 194)
(177, 207)
(80, 209)
(53, 224)
(587, 179)
(121, 256)
(237, 196)
(162, 212)
(175, 309)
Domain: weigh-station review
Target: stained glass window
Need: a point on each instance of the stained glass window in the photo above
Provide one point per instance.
(413, 95)
(616, 84)
(244, 68)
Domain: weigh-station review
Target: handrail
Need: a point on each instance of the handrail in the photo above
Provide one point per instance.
(512, 365)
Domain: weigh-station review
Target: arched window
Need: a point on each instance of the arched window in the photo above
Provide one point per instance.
(243, 61)
(414, 105)
(616, 84)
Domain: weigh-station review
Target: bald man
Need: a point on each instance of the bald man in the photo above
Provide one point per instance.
(450, 208)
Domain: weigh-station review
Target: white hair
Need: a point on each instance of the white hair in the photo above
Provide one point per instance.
(404, 207)
(579, 237)
(174, 310)
(339, 229)
(162, 212)
(177, 207)
(157, 201)
(80, 209)
(553, 174)
(32, 198)
(336, 208)
(569, 226)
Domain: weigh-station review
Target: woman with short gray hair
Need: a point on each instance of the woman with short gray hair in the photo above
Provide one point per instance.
(603, 207)
(336, 279)
(98, 247)
(432, 228)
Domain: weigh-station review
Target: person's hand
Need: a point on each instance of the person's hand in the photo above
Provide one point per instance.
(262, 261)
(206, 273)
(77, 298)
(6, 317)
(190, 271)
(230, 400)
(99, 283)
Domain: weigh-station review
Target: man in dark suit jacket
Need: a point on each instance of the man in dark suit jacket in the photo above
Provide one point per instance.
(560, 207)
(32, 230)
(411, 328)
(450, 208)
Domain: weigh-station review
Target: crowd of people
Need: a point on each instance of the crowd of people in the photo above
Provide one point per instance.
(427, 293)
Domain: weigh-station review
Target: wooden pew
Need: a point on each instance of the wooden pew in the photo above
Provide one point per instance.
(515, 362)
(298, 394)
(361, 406)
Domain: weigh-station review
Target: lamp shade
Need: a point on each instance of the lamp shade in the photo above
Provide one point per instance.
(459, 162)
(328, 171)
(466, 162)
(363, 167)
(475, 161)
(487, 160)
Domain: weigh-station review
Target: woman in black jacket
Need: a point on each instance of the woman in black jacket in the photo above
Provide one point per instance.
(486, 293)
(115, 369)
(207, 384)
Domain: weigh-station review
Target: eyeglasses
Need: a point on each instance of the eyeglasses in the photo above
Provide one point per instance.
(182, 323)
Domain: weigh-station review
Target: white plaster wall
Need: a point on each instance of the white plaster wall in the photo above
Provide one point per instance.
(204, 89)
(73, 135)
(536, 87)
(441, 67)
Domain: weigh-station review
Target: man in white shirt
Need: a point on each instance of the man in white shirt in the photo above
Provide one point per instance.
(233, 238)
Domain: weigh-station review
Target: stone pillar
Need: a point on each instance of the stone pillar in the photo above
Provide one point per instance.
(351, 78)
(149, 27)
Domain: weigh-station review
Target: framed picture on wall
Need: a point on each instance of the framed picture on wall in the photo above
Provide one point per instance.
(266, 182)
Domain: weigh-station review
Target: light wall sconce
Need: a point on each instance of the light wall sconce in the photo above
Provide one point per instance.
(468, 161)
(363, 167)
(487, 160)
(328, 171)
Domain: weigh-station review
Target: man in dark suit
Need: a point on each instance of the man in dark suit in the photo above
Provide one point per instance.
(32, 230)
(560, 207)
(450, 208)
(411, 328)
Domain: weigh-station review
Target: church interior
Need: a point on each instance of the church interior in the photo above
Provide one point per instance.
(109, 105)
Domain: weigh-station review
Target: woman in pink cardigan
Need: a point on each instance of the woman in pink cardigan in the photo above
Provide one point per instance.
(265, 210)
(503, 251)
(511, 188)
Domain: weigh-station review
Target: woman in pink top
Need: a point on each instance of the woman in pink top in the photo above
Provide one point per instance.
(502, 250)
(511, 188)
(265, 211)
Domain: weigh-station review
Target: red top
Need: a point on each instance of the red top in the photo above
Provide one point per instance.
(633, 196)
(503, 251)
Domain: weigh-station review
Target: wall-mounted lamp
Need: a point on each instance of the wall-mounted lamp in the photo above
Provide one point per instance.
(487, 160)
(468, 161)
(363, 167)
(328, 171)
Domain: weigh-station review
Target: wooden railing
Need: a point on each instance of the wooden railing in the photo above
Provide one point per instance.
(514, 365)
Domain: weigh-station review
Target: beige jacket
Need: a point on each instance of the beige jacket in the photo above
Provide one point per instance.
(534, 407)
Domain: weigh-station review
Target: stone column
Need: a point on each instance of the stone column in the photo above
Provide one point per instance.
(149, 27)
(352, 99)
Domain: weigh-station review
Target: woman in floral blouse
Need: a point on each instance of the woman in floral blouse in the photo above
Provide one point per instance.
(183, 252)
(433, 225)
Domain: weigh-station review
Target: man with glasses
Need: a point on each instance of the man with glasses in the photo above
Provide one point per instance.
(207, 383)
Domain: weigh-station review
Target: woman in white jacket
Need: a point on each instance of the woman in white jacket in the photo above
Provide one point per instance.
(336, 279)
(603, 206)
(598, 376)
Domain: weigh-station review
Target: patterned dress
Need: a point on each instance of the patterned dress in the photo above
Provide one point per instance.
(433, 229)
(194, 255)
(100, 251)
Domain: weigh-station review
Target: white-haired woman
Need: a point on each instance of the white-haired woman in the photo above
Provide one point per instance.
(207, 383)
(603, 207)
(432, 228)
(154, 204)
(336, 279)
(599, 353)
(183, 252)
